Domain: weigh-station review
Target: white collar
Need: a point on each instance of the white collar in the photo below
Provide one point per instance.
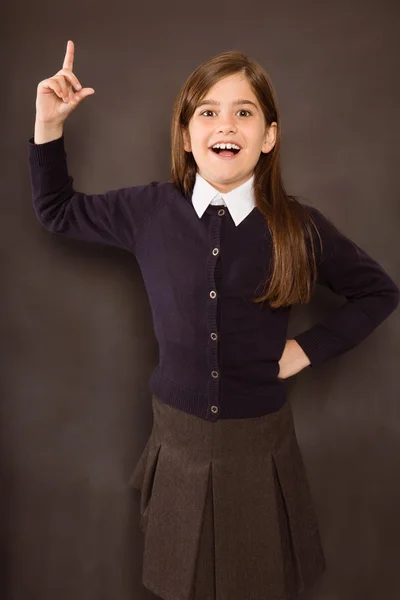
(239, 201)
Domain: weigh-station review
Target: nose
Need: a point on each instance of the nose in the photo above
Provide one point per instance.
(226, 126)
(226, 130)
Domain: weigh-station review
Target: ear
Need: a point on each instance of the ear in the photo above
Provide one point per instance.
(186, 140)
(270, 138)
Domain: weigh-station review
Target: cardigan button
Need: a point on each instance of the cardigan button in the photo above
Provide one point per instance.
(213, 294)
(214, 409)
(215, 251)
(213, 336)
(221, 212)
(214, 374)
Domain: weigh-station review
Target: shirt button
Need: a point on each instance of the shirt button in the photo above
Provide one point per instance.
(215, 251)
(214, 409)
(212, 294)
(214, 374)
(213, 336)
(221, 212)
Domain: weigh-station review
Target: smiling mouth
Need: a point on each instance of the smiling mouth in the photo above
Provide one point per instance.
(225, 154)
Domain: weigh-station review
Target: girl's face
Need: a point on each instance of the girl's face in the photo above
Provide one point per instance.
(229, 112)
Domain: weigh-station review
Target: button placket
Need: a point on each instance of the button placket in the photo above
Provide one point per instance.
(212, 315)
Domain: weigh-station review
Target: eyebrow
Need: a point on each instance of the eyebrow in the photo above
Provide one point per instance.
(240, 101)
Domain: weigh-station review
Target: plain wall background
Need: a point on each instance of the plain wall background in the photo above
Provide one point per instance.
(77, 341)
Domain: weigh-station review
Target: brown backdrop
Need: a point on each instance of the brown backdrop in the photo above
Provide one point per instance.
(77, 341)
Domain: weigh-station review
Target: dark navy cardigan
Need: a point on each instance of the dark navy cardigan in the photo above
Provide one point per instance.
(218, 351)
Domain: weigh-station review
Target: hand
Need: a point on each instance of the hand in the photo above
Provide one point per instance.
(55, 99)
(293, 360)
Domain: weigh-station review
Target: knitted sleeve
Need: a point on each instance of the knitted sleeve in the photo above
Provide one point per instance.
(349, 271)
(112, 218)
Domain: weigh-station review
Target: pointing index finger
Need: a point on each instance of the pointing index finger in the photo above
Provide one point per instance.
(69, 56)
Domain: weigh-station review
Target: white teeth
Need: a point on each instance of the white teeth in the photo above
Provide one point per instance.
(226, 146)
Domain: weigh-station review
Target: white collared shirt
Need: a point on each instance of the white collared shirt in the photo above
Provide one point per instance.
(239, 201)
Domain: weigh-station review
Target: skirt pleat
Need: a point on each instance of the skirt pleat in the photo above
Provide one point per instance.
(226, 508)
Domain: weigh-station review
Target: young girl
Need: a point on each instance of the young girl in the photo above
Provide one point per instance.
(226, 508)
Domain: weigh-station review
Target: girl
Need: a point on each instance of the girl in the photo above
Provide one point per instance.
(225, 506)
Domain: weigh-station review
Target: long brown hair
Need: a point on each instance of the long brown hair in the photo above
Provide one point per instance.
(294, 271)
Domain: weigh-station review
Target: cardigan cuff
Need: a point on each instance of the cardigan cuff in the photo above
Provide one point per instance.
(46, 153)
(313, 345)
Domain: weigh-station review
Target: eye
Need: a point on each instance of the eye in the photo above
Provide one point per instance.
(241, 110)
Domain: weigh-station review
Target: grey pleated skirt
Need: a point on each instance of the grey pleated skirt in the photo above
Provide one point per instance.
(225, 508)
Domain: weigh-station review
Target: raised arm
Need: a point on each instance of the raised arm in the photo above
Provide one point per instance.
(114, 217)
